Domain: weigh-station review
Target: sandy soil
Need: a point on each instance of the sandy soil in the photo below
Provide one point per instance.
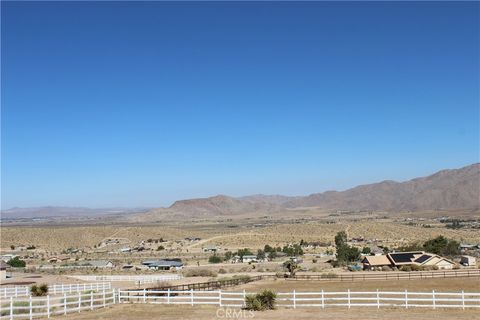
(139, 311)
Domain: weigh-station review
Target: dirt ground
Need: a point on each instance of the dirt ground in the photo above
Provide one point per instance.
(438, 284)
(164, 312)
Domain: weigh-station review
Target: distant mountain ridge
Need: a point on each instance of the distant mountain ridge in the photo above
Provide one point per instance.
(446, 189)
(51, 211)
(456, 189)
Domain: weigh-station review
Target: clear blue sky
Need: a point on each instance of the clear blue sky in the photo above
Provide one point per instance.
(141, 104)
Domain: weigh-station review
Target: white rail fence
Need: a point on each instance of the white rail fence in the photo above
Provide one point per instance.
(18, 291)
(138, 279)
(320, 299)
(40, 307)
(35, 307)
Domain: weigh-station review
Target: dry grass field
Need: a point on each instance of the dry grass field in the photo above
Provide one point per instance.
(439, 284)
(164, 312)
(232, 235)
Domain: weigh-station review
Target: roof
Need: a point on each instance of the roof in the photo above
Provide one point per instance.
(165, 263)
(377, 260)
(249, 256)
(3, 265)
(423, 258)
(98, 263)
(399, 258)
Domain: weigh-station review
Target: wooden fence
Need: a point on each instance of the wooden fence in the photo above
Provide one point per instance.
(322, 299)
(213, 285)
(41, 307)
(389, 275)
(17, 291)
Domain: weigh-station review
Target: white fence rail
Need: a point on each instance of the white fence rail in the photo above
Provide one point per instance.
(138, 279)
(18, 291)
(320, 299)
(36, 307)
(41, 307)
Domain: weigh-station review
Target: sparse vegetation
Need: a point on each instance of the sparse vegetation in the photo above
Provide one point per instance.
(264, 300)
(17, 263)
(38, 291)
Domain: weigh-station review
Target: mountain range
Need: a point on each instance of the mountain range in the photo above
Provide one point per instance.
(456, 189)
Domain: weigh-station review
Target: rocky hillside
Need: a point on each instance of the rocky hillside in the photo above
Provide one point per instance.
(447, 189)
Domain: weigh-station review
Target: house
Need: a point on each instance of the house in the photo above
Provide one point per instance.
(164, 264)
(8, 257)
(211, 249)
(249, 258)
(429, 259)
(399, 259)
(376, 262)
(468, 261)
(59, 258)
(100, 263)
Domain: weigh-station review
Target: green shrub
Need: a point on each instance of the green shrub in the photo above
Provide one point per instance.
(215, 259)
(38, 291)
(252, 303)
(264, 300)
(16, 263)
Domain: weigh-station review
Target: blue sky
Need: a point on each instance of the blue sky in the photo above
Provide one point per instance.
(141, 104)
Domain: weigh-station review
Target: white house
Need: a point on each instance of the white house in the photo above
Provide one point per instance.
(249, 258)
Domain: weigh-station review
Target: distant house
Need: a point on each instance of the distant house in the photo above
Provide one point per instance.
(468, 261)
(376, 262)
(59, 258)
(249, 258)
(100, 263)
(8, 257)
(211, 249)
(164, 264)
(127, 249)
(399, 259)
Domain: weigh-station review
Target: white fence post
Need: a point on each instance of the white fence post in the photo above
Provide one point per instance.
(168, 296)
(104, 301)
(191, 297)
(378, 299)
(323, 300)
(31, 315)
(219, 298)
(119, 295)
(294, 300)
(244, 297)
(11, 308)
(65, 303)
(91, 300)
(144, 295)
(348, 298)
(48, 306)
(406, 299)
(433, 299)
(79, 301)
(463, 300)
